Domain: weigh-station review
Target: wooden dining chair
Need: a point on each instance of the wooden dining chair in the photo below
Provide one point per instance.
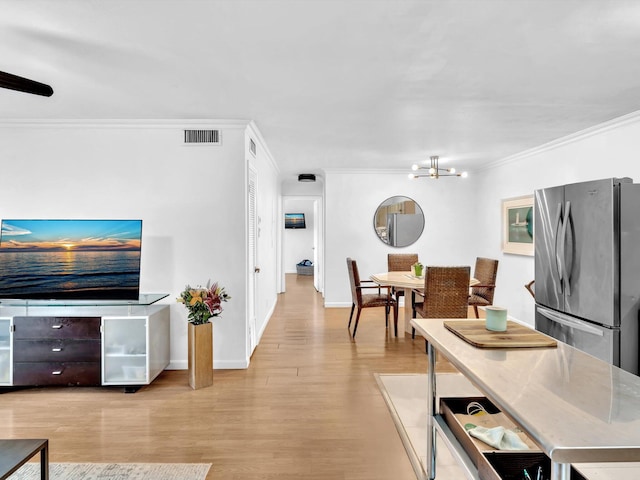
(400, 262)
(445, 295)
(529, 287)
(381, 298)
(485, 272)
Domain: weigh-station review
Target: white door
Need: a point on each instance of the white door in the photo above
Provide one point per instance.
(316, 243)
(253, 258)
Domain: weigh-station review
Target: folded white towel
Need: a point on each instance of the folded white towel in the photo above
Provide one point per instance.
(497, 437)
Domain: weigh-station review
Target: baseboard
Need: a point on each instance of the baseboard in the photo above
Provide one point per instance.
(337, 305)
(217, 365)
(231, 364)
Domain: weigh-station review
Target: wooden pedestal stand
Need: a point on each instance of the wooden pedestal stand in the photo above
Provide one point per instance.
(200, 355)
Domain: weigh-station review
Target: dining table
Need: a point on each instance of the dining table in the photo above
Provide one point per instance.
(407, 281)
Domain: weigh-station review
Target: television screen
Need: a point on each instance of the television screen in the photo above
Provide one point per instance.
(294, 220)
(70, 259)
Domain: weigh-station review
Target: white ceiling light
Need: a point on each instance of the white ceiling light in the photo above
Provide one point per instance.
(434, 170)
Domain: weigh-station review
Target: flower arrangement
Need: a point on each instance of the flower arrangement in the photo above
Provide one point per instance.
(203, 303)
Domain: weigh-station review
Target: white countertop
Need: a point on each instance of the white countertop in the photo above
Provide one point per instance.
(576, 407)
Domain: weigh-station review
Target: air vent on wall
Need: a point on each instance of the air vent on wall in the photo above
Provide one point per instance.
(209, 137)
(252, 147)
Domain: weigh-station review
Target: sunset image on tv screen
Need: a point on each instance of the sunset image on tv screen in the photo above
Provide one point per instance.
(70, 259)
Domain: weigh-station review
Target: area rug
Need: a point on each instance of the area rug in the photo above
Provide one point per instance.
(115, 471)
(406, 399)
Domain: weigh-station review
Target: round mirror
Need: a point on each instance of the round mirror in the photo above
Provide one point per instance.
(399, 221)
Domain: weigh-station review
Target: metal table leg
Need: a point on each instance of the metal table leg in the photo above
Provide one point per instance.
(560, 471)
(431, 411)
(44, 462)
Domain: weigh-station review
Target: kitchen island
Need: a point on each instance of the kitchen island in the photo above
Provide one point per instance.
(577, 408)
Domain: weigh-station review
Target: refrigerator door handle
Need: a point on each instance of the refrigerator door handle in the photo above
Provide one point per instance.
(565, 229)
(558, 259)
(568, 322)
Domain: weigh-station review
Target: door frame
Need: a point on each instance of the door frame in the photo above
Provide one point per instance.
(252, 252)
(317, 204)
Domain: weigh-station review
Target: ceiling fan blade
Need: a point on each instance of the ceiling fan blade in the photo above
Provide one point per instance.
(21, 84)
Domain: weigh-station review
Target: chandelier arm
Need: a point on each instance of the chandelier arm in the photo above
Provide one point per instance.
(434, 170)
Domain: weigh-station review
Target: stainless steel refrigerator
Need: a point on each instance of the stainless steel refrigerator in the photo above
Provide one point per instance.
(587, 267)
(404, 229)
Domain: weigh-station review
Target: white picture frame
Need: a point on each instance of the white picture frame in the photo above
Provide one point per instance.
(517, 225)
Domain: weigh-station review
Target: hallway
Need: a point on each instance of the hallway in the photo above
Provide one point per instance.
(337, 421)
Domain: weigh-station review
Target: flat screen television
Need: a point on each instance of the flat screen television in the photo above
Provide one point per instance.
(70, 259)
(294, 220)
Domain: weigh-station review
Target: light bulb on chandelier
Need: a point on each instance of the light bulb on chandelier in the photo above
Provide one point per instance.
(435, 171)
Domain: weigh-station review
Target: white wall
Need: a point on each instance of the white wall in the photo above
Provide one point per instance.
(294, 188)
(352, 198)
(608, 150)
(298, 243)
(192, 200)
(464, 216)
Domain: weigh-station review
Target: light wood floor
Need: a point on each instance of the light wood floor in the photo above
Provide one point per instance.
(307, 408)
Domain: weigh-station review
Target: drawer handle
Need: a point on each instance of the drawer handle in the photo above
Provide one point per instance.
(57, 372)
(57, 349)
(57, 327)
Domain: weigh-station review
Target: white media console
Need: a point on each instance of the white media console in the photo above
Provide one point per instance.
(85, 344)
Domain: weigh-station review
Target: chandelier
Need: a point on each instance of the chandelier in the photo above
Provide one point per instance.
(434, 171)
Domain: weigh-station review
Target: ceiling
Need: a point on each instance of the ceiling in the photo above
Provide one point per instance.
(335, 83)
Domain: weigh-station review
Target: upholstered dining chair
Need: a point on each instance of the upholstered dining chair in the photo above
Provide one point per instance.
(381, 298)
(485, 272)
(445, 295)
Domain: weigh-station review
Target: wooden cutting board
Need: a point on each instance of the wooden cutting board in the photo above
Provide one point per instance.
(516, 335)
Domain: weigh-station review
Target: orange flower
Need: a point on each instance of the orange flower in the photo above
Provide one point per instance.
(196, 296)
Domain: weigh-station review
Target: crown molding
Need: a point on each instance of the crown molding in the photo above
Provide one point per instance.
(254, 131)
(366, 171)
(618, 122)
(127, 123)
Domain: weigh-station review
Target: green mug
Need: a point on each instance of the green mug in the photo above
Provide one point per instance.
(417, 270)
(496, 318)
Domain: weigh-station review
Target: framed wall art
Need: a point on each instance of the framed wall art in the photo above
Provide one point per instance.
(517, 225)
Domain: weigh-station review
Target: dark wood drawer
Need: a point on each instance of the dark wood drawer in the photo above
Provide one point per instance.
(57, 373)
(56, 327)
(56, 350)
(511, 464)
